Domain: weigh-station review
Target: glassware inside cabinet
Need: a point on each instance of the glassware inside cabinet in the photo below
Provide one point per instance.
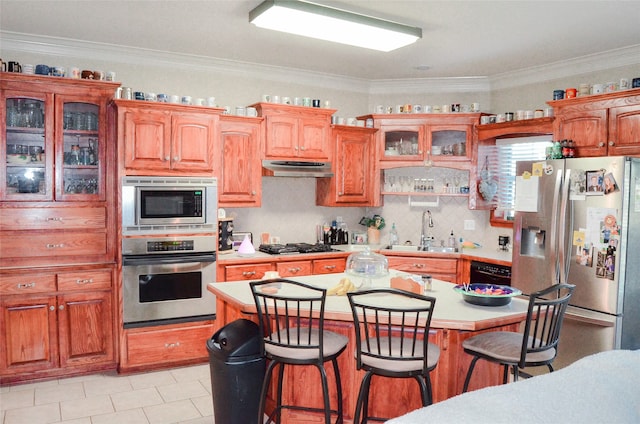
(448, 142)
(25, 146)
(81, 148)
(401, 143)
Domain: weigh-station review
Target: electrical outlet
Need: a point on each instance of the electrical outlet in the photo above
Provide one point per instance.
(469, 224)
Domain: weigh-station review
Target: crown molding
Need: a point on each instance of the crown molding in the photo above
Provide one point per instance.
(625, 56)
(71, 48)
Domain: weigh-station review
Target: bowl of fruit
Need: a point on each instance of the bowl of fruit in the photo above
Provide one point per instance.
(487, 294)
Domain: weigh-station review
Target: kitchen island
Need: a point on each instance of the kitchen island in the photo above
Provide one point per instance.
(453, 321)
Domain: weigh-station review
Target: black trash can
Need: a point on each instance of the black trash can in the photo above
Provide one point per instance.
(237, 368)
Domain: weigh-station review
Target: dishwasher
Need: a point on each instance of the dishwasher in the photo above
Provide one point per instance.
(486, 273)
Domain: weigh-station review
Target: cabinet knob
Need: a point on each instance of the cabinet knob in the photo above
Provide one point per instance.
(176, 158)
(302, 148)
(330, 267)
(84, 281)
(166, 158)
(253, 192)
(601, 144)
(61, 307)
(612, 143)
(26, 285)
(294, 270)
(296, 148)
(52, 308)
(248, 273)
(171, 345)
(418, 265)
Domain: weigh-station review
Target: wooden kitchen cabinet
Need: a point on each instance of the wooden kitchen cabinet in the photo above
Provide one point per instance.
(294, 268)
(287, 266)
(409, 139)
(156, 347)
(296, 132)
(56, 323)
(162, 138)
(329, 266)
(354, 169)
(239, 168)
(445, 269)
(253, 271)
(600, 125)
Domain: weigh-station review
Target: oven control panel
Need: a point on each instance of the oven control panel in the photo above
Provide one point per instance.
(170, 246)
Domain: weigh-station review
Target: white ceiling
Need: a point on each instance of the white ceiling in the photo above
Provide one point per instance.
(460, 38)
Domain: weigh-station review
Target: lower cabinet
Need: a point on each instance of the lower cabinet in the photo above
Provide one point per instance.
(56, 324)
(288, 268)
(162, 346)
(445, 269)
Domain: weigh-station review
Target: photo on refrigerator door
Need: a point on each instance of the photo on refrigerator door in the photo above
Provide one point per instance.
(610, 184)
(594, 182)
(584, 255)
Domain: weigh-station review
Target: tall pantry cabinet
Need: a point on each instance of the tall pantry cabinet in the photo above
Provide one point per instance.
(57, 221)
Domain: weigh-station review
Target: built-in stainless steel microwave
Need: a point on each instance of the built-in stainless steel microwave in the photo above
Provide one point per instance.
(169, 205)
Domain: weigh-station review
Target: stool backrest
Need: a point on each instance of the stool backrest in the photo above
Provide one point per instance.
(391, 324)
(544, 319)
(291, 314)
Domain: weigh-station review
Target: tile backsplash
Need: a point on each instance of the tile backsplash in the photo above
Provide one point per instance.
(289, 212)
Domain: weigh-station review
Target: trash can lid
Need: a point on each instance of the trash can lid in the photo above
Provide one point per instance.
(240, 338)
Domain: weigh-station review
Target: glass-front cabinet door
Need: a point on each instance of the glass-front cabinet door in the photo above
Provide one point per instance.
(402, 142)
(449, 142)
(80, 150)
(28, 150)
(54, 147)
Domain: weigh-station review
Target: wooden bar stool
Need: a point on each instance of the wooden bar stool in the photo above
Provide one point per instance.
(291, 320)
(392, 331)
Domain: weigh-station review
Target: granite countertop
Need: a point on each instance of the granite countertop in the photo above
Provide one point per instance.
(451, 310)
(482, 253)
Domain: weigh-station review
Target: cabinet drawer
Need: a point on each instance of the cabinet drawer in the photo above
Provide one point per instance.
(329, 266)
(246, 272)
(293, 268)
(53, 245)
(27, 284)
(84, 280)
(52, 218)
(163, 345)
(430, 265)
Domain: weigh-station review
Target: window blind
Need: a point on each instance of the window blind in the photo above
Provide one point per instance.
(501, 160)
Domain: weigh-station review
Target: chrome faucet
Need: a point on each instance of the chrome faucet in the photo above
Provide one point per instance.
(425, 234)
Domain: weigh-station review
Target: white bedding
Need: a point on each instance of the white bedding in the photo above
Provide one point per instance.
(601, 388)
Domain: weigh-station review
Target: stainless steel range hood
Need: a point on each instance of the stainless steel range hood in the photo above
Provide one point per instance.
(288, 168)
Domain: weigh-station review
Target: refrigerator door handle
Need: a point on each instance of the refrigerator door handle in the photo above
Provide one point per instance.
(553, 251)
(565, 222)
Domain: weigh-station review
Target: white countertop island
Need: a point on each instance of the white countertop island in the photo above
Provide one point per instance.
(453, 321)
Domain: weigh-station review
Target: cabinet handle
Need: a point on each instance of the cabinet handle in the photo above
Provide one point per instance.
(52, 308)
(601, 144)
(340, 193)
(166, 158)
(26, 285)
(418, 265)
(302, 148)
(612, 143)
(296, 148)
(171, 345)
(331, 267)
(253, 192)
(176, 158)
(61, 307)
(248, 273)
(54, 246)
(294, 270)
(84, 281)
(54, 218)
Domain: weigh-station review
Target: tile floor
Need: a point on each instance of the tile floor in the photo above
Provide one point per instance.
(178, 395)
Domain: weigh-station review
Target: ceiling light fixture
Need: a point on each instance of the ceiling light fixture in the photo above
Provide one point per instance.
(331, 24)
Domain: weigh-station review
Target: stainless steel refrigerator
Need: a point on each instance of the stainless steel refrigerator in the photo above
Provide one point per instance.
(578, 221)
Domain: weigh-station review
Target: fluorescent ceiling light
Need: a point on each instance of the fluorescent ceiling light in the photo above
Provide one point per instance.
(331, 24)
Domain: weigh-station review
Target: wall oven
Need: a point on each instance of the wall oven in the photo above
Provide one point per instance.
(165, 279)
(162, 205)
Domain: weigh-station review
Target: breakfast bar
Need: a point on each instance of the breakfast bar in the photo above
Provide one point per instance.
(453, 321)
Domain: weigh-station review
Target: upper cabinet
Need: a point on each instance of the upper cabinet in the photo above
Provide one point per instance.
(240, 170)
(162, 138)
(411, 139)
(354, 169)
(55, 138)
(296, 132)
(600, 125)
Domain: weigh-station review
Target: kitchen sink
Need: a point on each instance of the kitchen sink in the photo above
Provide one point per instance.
(412, 248)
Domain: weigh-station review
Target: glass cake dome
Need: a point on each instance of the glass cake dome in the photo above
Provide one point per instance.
(368, 265)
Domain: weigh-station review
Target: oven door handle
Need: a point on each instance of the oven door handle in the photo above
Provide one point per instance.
(163, 260)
